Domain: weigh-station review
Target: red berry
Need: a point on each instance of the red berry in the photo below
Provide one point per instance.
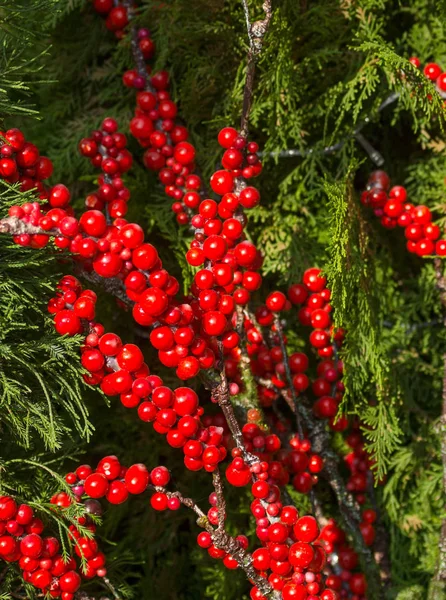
(313, 280)
(160, 476)
(96, 485)
(131, 235)
(67, 323)
(358, 584)
(185, 401)
(306, 529)
(31, 545)
(184, 153)
(110, 467)
(238, 477)
(117, 18)
(130, 358)
(70, 582)
(260, 489)
(222, 182)
(276, 301)
(154, 301)
(249, 197)
(159, 501)
(117, 492)
(261, 559)
(214, 323)
(59, 196)
(227, 136)
(432, 71)
(93, 223)
(297, 293)
(292, 591)
(8, 508)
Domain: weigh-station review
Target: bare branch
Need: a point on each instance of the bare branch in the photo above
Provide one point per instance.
(256, 34)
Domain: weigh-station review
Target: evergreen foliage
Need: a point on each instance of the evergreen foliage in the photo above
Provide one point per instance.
(327, 67)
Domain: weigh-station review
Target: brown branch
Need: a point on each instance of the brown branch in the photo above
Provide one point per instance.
(15, 226)
(110, 586)
(221, 503)
(220, 538)
(113, 286)
(220, 392)
(256, 34)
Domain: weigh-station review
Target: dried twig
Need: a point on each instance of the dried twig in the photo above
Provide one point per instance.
(256, 34)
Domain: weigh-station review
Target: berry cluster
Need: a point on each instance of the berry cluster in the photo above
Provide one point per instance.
(38, 556)
(115, 482)
(106, 150)
(21, 162)
(190, 335)
(290, 556)
(116, 15)
(347, 581)
(165, 140)
(120, 369)
(183, 334)
(390, 205)
(314, 295)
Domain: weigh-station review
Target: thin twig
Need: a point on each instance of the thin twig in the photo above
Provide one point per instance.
(15, 226)
(256, 34)
(221, 503)
(220, 392)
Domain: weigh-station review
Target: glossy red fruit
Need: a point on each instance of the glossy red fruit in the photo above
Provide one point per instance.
(214, 323)
(261, 559)
(117, 18)
(306, 529)
(131, 235)
(93, 223)
(8, 508)
(154, 301)
(117, 492)
(276, 301)
(314, 281)
(7, 545)
(70, 582)
(59, 196)
(432, 71)
(238, 477)
(185, 401)
(96, 485)
(159, 501)
(67, 323)
(130, 358)
(249, 197)
(292, 591)
(222, 182)
(227, 136)
(184, 153)
(160, 476)
(108, 265)
(110, 467)
(358, 584)
(297, 293)
(31, 545)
